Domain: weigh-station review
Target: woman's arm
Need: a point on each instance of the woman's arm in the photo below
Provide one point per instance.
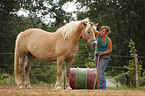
(97, 33)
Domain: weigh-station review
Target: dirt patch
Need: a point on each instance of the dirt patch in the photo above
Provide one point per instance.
(6, 90)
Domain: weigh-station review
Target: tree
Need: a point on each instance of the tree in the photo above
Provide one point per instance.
(11, 25)
(125, 19)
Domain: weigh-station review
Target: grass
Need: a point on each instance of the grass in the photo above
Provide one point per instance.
(122, 86)
(126, 88)
(7, 79)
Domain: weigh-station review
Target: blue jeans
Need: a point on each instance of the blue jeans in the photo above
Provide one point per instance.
(102, 78)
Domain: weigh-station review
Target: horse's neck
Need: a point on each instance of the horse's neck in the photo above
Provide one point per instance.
(75, 39)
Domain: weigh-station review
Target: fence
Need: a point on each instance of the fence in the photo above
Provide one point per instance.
(42, 71)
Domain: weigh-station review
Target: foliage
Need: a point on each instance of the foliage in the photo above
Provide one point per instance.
(130, 73)
(6, 79)
(124, 17)
(90, 64)
(11, 25)
(43, 72)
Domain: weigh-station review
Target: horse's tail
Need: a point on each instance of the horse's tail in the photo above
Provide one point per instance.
(16, 61)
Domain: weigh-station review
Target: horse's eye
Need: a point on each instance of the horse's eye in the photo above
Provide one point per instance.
(89, 32)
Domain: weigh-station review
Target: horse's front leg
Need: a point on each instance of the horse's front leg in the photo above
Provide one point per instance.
(67, 74)
(59, 72)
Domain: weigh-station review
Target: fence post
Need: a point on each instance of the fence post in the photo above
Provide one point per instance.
(136, 71)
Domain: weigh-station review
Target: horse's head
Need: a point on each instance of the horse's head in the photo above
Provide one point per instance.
(88, 33)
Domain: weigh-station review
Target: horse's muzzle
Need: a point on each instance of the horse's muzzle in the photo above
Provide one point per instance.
(93, 44)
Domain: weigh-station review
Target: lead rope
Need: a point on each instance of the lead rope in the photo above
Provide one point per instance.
(90, 55)
(97, 70)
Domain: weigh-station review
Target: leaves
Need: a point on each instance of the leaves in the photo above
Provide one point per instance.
(131, 67)
(124, 17)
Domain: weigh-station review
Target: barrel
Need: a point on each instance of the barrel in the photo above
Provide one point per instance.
(82, 78)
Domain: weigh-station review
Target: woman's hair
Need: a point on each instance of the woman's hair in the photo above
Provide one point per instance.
(107, 29)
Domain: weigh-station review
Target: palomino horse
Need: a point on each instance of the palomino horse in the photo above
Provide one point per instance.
(61, 45)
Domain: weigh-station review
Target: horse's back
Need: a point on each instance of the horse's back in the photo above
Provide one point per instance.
(39, 43)
(29, 36)
(33, 33)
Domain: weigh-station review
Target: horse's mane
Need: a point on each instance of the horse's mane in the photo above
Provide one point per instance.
(68, 29)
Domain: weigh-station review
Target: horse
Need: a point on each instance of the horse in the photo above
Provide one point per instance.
(59, 46)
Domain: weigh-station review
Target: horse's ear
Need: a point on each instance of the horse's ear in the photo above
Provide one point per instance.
(96, 24)
(86, 19)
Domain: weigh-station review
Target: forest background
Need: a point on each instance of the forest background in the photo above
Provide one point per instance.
(126, 19)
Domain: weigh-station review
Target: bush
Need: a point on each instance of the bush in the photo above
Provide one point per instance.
(130, 73)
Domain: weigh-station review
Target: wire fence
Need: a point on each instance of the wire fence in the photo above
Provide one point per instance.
(7, 60)
(115, 68)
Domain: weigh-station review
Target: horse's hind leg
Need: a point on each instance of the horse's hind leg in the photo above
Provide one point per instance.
(27, 69)
(20, 71)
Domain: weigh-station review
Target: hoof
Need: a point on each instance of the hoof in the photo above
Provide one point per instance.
(58, 88)
(68, 88)
(21, 87)
(29, 87)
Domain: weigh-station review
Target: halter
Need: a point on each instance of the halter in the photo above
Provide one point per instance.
(84, 37)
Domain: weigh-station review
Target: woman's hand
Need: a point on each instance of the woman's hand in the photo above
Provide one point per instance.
(99, 53)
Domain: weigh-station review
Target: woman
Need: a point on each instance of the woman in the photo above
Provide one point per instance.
(103, 49)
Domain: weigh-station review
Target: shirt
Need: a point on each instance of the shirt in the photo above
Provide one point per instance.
(102, 46)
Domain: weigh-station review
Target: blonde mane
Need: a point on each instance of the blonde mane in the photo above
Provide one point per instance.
(67, 30)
